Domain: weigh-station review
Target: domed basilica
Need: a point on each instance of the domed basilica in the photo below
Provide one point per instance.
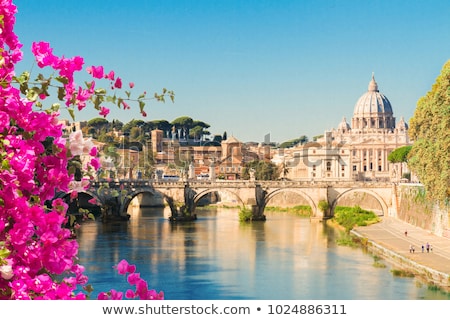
(356, 152)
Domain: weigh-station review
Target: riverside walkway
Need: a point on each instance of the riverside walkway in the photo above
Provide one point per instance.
(390, 235)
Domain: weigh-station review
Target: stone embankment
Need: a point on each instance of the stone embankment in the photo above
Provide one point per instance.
(392, 239)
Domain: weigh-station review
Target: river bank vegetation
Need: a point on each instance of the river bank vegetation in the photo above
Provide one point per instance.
(349, 217)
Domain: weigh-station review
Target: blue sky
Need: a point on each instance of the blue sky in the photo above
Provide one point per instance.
(251, 68)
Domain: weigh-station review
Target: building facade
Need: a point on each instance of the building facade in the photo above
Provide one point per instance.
(354, 152)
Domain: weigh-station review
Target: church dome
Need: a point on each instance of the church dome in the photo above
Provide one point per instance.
(402, 125)
(372, 101)
(344, 126)
(373, 109)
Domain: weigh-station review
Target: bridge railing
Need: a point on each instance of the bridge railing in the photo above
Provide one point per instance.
(141, 183)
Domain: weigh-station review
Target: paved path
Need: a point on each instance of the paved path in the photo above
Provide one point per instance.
(390, 234)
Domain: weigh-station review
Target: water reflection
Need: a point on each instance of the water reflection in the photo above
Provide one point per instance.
(217, 257)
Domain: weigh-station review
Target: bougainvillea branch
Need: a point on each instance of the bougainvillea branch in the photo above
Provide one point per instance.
(38, 255)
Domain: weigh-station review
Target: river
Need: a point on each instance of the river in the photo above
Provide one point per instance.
(217, 257)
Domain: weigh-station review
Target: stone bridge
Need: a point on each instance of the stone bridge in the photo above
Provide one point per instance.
(184, 195)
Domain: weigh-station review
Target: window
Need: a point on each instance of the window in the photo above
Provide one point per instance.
(354, 168)
(328, 165)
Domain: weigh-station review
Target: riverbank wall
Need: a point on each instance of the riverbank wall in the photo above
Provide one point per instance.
(414, 208)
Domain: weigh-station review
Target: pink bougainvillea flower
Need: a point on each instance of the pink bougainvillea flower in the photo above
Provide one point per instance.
(118, 83)
(43, 54)
(133, 278)
(125, 105)
(131, 84)
(74, 195)
(95, 163)
(110, 75)
(93, 152)
(123, 267)
(92, 201)
(104, 111)
(102, 296)
(96, 72)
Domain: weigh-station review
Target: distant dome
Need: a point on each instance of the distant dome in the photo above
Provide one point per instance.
(373, 110)
(372, 101)
(402, 125)
(344, 126)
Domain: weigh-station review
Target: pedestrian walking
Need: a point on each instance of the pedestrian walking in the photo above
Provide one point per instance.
(406, 233)
(428, 247)
(423, 248)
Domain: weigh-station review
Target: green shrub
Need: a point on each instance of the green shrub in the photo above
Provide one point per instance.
(348, 217)
(245, 214)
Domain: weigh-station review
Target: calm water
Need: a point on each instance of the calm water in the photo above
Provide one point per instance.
(217, 257)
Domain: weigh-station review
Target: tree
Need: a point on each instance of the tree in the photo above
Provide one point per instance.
(429, 157)
(264, 170)
(182, 125)
(132, 124)
(399, 155)
(96, 126)
(291, 143)
(198, 130)
(163, 125)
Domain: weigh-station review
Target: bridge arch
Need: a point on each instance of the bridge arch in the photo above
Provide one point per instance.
(303, 194)
(204, 192)
(133, 193)
(381, 201)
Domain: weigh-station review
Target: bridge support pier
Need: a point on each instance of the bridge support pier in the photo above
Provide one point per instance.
(258, 213)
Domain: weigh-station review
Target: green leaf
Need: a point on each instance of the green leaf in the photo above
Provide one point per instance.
(72, 219)
(4, 253)
(141, 105)
(63, 80)
(100, 91)
(61, 93)
(111, 99)
(24, 88)
(32, 94)
(97, 102)
(72, 113)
